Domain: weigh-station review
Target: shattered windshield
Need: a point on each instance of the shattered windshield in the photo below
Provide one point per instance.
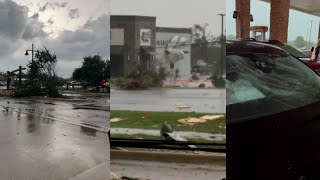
(260, 83)
(294, 52)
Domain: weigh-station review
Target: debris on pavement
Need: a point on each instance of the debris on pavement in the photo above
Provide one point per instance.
(91, 107)
(182, 106)
(114, 176)
(116, 119)
(211, 117)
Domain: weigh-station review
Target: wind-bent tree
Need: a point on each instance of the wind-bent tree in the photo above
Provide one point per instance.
(42, 79)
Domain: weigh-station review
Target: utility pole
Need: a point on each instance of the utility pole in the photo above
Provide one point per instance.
(310, 34)
(222, 45)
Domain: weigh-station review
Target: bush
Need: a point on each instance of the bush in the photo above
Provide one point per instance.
(28, 91)
(219, 83)
(202, 85)
(194, 77)
(141, 78)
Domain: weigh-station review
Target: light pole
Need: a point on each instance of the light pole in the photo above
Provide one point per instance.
(222, 45)
(32, 52)
(310, 34)
(32, 62)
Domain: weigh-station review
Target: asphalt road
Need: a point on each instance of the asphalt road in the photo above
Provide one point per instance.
(199, 100)
(44, 139)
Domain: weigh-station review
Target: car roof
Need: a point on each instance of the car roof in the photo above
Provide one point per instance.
(255, 47)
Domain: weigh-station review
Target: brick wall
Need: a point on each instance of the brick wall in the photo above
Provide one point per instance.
(279, 20)
(243, 20)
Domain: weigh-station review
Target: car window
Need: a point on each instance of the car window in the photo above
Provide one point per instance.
(276, 83)
(294, 52)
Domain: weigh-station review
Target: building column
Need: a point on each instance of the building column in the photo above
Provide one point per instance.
(279, 20)
(243, 19)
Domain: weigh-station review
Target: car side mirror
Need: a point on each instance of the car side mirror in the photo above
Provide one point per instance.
(312, 49)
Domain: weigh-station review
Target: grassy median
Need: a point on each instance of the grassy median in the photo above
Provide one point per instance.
(154, 121)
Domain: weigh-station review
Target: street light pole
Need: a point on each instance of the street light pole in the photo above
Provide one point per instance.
(310, 34)
(32, 52)
(222, 45)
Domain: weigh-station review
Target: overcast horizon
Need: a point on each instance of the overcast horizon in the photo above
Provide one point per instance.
(71, 29)
(190, 12)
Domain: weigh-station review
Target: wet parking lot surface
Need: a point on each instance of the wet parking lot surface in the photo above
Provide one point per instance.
(198, 100)
(46, 139)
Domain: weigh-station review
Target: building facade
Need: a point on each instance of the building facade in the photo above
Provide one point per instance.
(132, 43)
(135, 40)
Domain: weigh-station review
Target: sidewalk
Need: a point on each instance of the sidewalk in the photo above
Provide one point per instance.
(167, 171)
(185, 134)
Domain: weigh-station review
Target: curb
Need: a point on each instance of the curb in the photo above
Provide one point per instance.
(212, 158)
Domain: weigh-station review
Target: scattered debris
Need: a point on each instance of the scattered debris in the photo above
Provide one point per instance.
(168, 134)
(50, 103)
(211, 117)
(116, 119)
(91, 107)
(6, 108)
(191, 121)
(114, 175)
(182, 106)
(130, 178)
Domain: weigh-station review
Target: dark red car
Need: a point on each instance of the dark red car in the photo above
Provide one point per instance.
(273, 117)
(315, 65)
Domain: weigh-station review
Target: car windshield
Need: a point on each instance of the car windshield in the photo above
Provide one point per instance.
(260, 84)
(294, 52)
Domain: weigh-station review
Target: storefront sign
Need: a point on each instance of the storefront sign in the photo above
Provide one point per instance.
(145, 37)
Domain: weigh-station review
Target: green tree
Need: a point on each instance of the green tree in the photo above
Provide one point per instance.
(231, 37)
(299, 42)
(93, 70)
(199, 37)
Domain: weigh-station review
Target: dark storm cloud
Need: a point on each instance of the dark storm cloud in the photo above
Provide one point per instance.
(53, 5)
(15, 23)
(74, 13)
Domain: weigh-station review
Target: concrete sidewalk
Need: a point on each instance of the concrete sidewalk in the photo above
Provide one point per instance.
(167, 171)
(185, 134)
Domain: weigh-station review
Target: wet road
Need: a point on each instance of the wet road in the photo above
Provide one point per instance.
(199, 100)
(61, 110)
(44, 139)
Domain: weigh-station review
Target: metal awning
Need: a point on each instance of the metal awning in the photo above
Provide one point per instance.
(307, 6)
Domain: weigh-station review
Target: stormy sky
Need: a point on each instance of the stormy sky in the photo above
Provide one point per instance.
(175, 13)
(71, 29)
